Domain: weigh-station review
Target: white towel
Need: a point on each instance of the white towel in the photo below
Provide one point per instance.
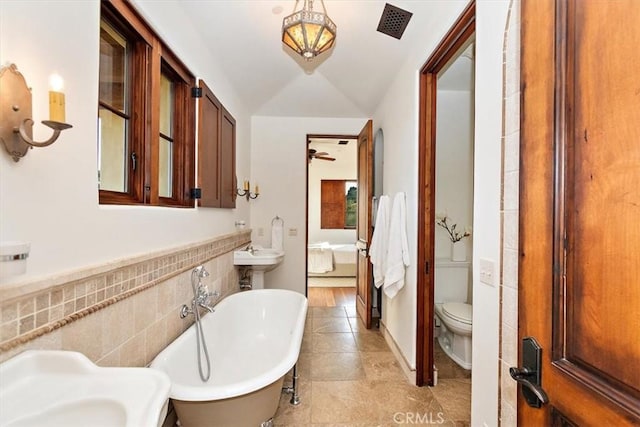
(277, 233)
(398, 248)
(320, 260)
(380, 241)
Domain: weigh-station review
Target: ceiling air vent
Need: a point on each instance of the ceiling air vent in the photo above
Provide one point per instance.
(394, 21)
(343, 142)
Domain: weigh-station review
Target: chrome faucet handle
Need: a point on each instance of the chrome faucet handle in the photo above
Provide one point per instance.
(204, 297)
(185, 311)
(203, 292)
(206, 306)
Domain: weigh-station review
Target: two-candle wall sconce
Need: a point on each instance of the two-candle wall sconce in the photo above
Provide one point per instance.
(16, 123)
(246, 192)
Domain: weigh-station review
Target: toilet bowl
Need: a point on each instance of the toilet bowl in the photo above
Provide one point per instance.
(455, 331)
(455, 315)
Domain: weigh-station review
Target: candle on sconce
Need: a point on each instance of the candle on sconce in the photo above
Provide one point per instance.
(257, 190)
(56, 99)
(246, 185)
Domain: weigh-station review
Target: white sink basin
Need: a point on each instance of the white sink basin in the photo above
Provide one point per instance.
(64, 388)
(258, 257)
(259, 260)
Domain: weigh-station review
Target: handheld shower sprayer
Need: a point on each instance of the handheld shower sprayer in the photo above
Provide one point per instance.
(200, 300)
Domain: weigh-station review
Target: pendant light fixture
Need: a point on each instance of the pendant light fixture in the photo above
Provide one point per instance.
(308, 32)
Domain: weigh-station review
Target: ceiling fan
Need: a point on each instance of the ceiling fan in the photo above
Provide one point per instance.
(314, 154)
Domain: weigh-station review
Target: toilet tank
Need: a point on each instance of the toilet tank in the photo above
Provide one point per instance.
(451, 281)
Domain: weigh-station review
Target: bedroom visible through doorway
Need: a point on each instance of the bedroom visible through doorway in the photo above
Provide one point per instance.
(332, 194)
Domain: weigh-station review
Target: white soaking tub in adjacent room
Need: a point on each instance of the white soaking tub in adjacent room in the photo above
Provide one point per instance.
(254, 339)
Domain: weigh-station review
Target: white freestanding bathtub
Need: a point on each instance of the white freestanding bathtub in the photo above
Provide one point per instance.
(254, 339)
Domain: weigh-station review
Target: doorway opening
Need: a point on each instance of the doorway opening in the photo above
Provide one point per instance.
(454, 153)
(332, 195)
(445, 206)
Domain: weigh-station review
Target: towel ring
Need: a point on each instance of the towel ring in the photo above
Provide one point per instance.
(277, 219)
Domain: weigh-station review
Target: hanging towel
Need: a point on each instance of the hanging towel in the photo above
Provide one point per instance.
(398, 248)
(277, 232)
(379, 242)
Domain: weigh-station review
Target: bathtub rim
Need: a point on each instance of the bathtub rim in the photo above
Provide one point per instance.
(218, 392)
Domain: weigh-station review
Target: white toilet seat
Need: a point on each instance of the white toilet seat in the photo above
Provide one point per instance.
(458, 326)
(456, 330)
(458, 311)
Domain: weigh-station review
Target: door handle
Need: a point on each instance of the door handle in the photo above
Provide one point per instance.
(362, 247)
(522, 377)
(530, 375)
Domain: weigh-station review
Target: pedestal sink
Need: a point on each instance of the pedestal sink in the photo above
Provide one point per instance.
(259, 260)
(64, 388)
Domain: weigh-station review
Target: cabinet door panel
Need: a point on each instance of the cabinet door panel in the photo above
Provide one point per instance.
(216, 152)
(209, 148)
(228, 161)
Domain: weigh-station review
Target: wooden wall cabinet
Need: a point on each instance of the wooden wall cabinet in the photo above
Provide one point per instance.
(216, 152)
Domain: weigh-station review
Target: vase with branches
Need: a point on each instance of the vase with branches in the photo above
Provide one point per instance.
(452, 229)
(455, 235)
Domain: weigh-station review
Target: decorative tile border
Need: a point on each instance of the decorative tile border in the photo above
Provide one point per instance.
(24, 318)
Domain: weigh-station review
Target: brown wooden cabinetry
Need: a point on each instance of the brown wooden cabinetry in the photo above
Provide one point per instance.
(332, 203)
(216, 152)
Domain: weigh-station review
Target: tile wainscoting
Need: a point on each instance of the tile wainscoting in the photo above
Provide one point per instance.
(119, 314)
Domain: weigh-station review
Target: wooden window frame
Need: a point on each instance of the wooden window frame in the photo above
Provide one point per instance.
(150, 57)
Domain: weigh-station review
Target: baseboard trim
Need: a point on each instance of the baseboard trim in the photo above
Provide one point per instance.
(409, 372)
(331, 282)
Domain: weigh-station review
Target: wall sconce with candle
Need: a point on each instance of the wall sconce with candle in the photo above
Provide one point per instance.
(16, 124)
(245, 192)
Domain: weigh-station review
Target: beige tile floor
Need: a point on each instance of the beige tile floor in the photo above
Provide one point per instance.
(349, 377)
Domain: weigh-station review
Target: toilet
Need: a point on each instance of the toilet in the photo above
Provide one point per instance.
(453, 311)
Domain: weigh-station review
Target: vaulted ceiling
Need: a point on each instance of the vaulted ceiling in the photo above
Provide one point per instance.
(348, 81)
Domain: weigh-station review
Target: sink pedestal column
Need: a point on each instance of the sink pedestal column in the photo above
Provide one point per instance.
(258, 261)
(257, 278)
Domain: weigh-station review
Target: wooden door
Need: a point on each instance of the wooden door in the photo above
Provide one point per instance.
(580, 209)
(365, 228)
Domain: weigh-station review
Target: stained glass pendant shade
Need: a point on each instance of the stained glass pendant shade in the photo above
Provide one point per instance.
(309, 33)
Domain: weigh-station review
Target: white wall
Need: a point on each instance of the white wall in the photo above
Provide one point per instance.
(454, 166)
(398, 116)
(344, 167)
(50, 197)
(279, 164)
(491, 18)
